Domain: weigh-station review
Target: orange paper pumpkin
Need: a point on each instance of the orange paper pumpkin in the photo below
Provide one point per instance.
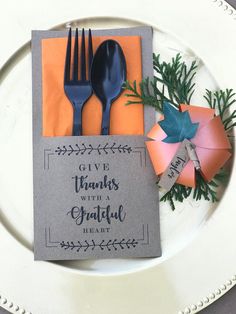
(212, 146)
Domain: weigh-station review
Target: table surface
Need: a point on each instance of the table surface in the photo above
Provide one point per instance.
(224, 305)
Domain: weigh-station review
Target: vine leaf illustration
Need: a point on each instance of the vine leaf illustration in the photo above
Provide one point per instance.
(103, 245)
(89, 149)
(177, 125)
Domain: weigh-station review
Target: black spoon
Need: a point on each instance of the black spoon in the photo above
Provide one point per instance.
(108, 74)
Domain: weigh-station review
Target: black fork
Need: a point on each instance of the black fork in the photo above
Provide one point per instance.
(77, 87)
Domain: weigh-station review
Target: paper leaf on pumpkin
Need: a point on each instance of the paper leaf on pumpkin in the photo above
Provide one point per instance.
(177, 125)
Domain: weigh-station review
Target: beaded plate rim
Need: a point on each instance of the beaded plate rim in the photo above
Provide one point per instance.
(191, 309)
(211, 298)
(222, 4)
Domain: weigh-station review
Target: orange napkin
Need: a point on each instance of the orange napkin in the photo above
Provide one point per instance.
(57, 109)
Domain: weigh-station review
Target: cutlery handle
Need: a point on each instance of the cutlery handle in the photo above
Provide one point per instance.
(77, 120)
(106, 119)
(105, 131)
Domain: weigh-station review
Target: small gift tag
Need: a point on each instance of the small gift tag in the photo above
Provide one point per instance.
(185, 153)
(175, 167)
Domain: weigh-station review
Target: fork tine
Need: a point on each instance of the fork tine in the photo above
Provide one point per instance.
(90, 50)
(76, 50)
(82, 58)
(68, 56)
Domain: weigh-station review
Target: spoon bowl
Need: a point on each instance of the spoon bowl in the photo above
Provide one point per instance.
(108, 74)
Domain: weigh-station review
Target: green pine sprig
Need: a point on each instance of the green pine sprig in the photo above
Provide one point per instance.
(142, 94)
(222, 101)
(207, 190)
(177, 193)
(174, 82)
(175, 78)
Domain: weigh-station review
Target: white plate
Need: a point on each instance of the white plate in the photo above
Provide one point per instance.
(195, 238)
